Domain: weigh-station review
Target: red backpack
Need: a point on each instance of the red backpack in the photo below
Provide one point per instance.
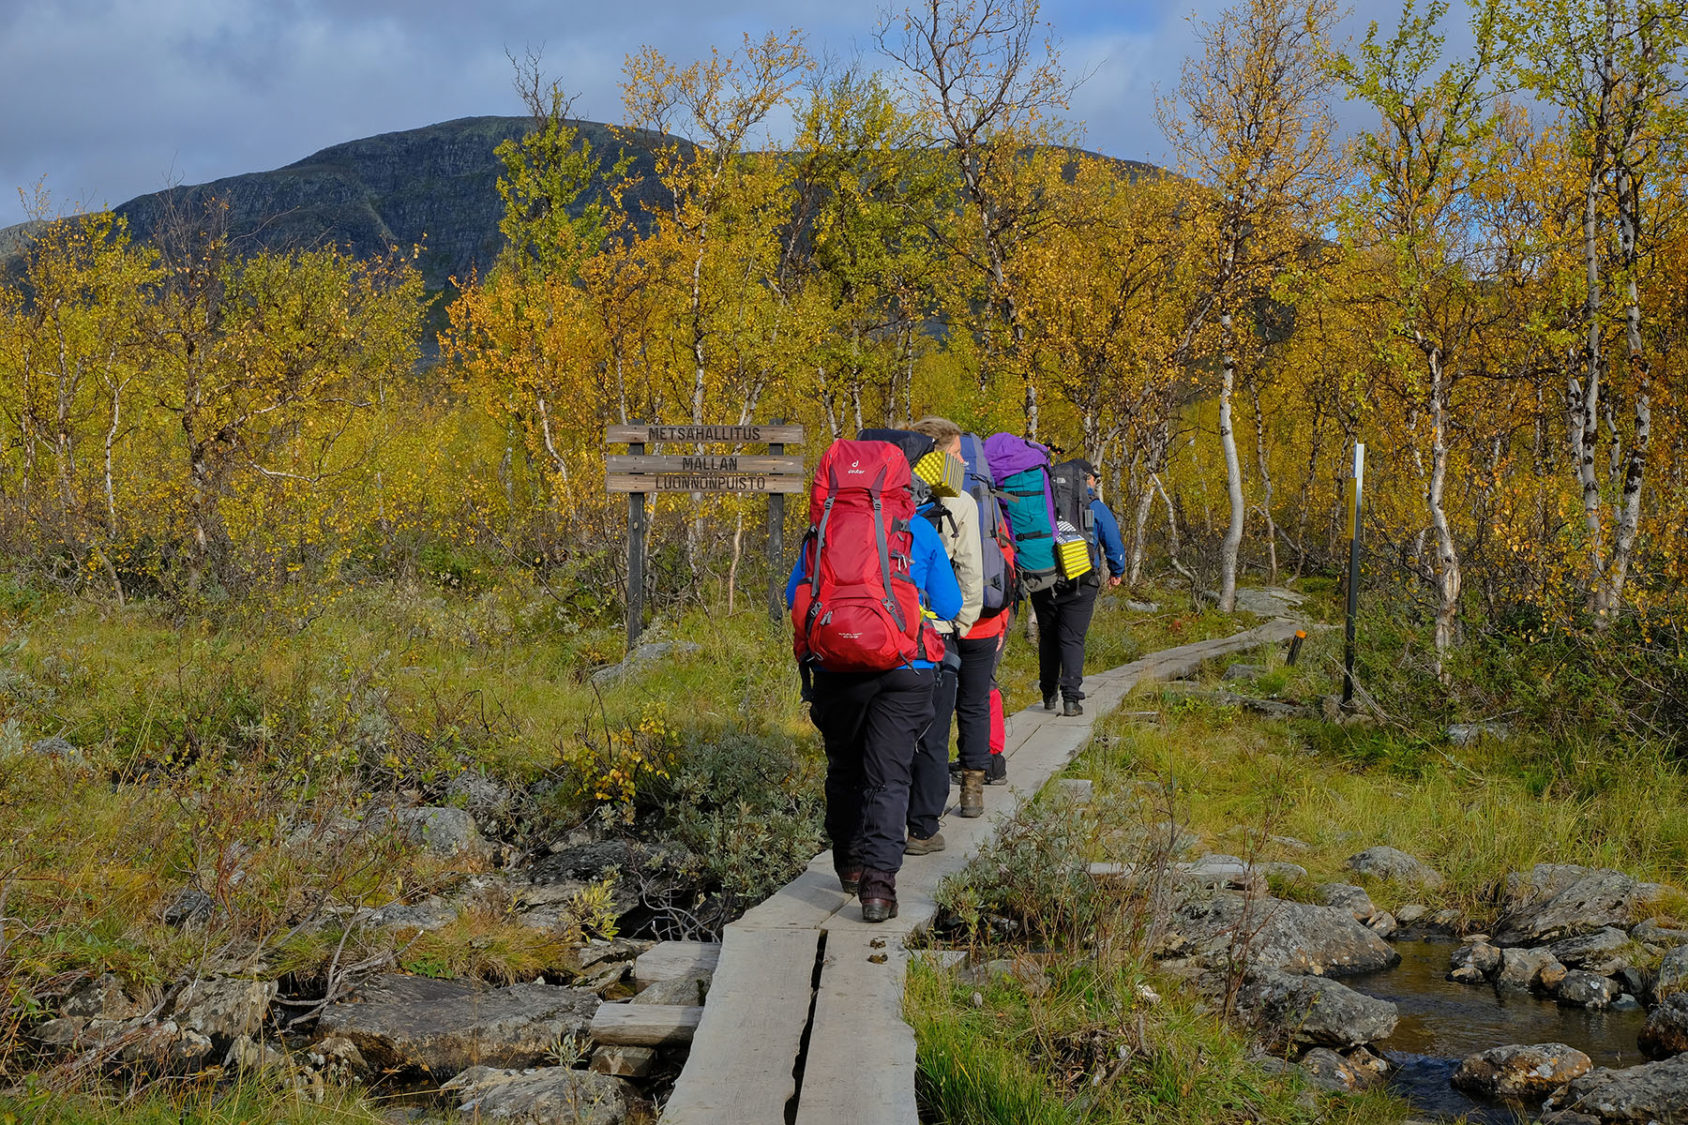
(859, 609)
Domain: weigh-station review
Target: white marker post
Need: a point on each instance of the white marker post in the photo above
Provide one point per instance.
(1354, 510)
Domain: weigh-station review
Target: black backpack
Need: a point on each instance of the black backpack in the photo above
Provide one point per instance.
(1080, 560)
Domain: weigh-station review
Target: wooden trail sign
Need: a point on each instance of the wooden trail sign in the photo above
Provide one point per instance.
(704, 482)
(639, 474)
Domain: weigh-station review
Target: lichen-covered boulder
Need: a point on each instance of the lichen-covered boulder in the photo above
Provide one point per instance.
(1530, 1072)
(440, 1028)
(546, 1096)
(1294, 937)
(1313, 1010)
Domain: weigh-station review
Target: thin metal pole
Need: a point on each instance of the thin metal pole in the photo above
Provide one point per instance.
(635, 557)
(1354, 514)
(776, 541)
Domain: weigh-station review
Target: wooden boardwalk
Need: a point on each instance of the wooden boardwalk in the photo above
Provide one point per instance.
(804, 1017)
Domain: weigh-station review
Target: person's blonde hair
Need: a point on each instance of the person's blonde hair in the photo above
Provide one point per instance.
(940, 430)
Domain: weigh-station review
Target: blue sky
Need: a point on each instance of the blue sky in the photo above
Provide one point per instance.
(109, 99)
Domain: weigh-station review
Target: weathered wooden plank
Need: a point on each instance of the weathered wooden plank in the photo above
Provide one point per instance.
(645, 1025)
(685, 463)
(861, 1064)
(708, 433)
(741, 1064)
(704, 482)
(675, 960)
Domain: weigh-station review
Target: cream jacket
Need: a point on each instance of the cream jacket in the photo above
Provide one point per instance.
(961, 544)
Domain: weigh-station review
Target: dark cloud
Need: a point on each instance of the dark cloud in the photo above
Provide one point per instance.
(108, 99)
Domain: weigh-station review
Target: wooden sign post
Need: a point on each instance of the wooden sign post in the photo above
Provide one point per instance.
(639, 474)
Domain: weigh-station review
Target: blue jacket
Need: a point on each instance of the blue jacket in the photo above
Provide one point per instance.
(1107, 534)
(928, 566)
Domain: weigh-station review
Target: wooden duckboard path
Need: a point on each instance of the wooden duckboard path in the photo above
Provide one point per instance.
(803, 1022)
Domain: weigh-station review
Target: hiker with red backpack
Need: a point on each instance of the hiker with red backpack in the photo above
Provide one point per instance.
(868, 580)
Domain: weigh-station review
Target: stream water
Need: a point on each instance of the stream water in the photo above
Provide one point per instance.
(1443, 1021)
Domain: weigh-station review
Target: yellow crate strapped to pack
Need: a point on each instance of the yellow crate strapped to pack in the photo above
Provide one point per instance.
(1072, 551)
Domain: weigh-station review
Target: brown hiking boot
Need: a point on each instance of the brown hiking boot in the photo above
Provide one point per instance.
(924, 845)
(878, 895)
(972, 793)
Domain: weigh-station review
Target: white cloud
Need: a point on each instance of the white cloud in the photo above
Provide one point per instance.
(110, 98)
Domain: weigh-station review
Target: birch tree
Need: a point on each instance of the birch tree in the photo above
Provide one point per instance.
(1614, 69)
(1418, 229)
(1249, 121)
(984, 77)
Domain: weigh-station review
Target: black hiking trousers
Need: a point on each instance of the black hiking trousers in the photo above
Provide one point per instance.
(965, 692)
(1063, 618)
(870, 724)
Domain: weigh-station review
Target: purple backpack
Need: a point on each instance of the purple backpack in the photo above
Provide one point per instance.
(1021, 469)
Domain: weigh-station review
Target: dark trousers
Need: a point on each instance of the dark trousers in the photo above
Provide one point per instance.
(870, 724)
(963, 690)
(1063, 618)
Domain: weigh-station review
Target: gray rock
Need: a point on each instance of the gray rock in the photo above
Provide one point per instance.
(190, 905)
(1347, 896)
(432, 913)
(1604, 951)
(1666, 1032)
(103, 998)
(255, 1057)
(1373, 1069)
(1291, 872)
(625, 1062)
(1464, 734)
(1291, 843)
(445, 832)
(1313, 1010)
(1651, 932)
(1562, 900)
(62, 1033)
(549, 1096)
(1632, 979)
(1474, 963)
(1268, 601)
(1449, 919)
(1142, 607)
(1295, 937)
(58, 747)
(1656, 1092)
(642, 657)
(1243, 673)
(1382, 924)
(1525, 969)
(414, 1024)
(681, 991)
(1673, 973)
(1330, 1071)
(337, 1060)
(1410, 913)
(224, 1009)
(545, 890)
(486, 799)
(1527, 1072)
(1582, 989)
(1384, 862)
(1626, 1003)
(151, 1047)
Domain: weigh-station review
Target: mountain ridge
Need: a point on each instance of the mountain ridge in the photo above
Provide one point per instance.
(433, 187)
